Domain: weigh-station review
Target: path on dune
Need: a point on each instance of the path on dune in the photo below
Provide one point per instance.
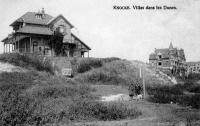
(6, 67)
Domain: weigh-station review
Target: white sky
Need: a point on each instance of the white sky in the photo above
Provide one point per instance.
(131, 34)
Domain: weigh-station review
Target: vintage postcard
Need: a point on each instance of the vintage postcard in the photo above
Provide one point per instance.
(100, 63)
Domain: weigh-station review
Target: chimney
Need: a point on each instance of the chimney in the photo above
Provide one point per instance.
(43, 12)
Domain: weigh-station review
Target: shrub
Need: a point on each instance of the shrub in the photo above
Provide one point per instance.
(59, 91)
(114, 73)
(28, 61)
(15, 108)
(83, 109)
(192, 100)
(111, 59)
(15, 80)
(86, 64)
(166, 94)
(193, 76)
(194, 88)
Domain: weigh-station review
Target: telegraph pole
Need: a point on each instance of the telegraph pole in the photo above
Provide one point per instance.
(143, 80)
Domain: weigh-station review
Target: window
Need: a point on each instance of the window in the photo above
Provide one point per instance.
(159, 63)
(61, 29)
(38, 16)
(160, 56)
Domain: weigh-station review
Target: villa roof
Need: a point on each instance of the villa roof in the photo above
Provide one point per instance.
(164, 52)
(152, 56)
(30, 17)
(81, 42)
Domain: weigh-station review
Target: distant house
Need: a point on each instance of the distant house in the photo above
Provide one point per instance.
(193, 67)
(168, 59)
(38, 33)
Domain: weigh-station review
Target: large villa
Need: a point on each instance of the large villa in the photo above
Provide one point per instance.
(40, 33)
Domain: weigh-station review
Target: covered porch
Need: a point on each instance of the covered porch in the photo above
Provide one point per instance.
(25, 44)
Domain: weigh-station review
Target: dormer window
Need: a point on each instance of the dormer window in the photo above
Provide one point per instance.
(38, 16)
(159, 55)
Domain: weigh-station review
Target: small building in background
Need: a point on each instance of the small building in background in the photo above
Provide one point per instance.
(170, 60)
(193, 67)
(40, 33)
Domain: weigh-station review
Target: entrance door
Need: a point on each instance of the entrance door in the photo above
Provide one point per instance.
(35, 46)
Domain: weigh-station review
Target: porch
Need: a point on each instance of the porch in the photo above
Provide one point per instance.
(27, 45)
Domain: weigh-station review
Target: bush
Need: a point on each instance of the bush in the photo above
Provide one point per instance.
(193, 76)
(164, 94)
(86, 64)
(194, 88)
(15, 80)
(167, 94)
(59, 91)
(115, 73)
(28, 61)
(111, 59)
(83, 109)
(15, 108)
(28, 98)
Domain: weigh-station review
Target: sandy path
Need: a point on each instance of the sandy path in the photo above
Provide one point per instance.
(6, 67)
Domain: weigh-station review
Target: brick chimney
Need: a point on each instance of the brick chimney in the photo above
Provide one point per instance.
(43, 11)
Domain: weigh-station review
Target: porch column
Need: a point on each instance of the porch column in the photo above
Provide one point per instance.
(51, 47)
(18, 45)
(43, 46)
(25, 47)
(13, 46)
(30, 45)
(3, 47)
(9, 47)
(88, 54)
(6, 47)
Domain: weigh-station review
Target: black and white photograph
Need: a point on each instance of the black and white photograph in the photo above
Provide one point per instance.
(100, 63)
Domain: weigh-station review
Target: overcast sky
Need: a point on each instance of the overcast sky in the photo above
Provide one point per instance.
(130, 34)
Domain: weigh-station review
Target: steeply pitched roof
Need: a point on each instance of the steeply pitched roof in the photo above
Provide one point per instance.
(171, 46)
(152, 56)
(164, 52)
(30, 17)
(53, 19)
(35, 30)
(4, 40)
(81, 42)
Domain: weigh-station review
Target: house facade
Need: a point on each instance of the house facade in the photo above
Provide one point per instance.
(170, 59)
(40, 33)
(193, 67)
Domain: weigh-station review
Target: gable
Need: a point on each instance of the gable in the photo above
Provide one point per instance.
(58, 18)
(58, 22)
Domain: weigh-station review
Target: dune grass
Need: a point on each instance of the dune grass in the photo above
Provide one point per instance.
(28, 61)
(38, 98)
